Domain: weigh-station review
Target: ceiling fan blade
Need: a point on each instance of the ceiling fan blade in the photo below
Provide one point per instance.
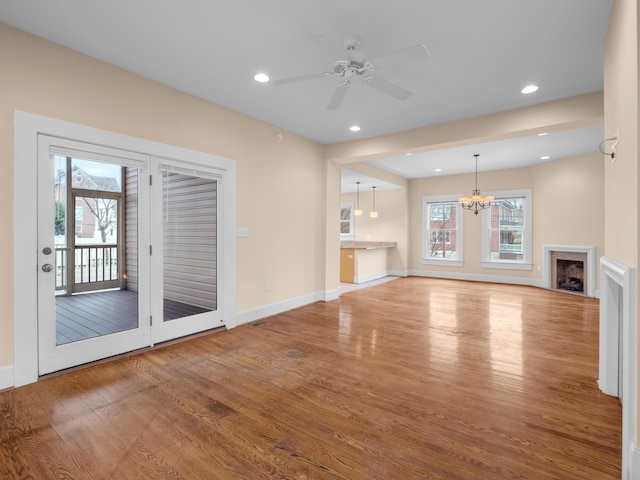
(396, 91)
(338, 95)
(405, 55)
(311, 76)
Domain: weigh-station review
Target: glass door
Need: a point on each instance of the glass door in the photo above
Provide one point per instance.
(185, 252)
(90, 305)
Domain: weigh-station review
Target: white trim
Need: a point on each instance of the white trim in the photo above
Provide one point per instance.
(26, 129)
(506, 265)
(370, 277)
(442, 261)
(426, 235)
(25, 285)
(6, 377)
(352, 221)
(476, 278)
(525, 264)
(330, 295)
(613, 272)
(251, 315)
(590, 250)
(634, 463)
(398, 273)
(66, 147)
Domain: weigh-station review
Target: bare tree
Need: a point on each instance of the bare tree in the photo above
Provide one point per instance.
(439, 225)
(104, 209)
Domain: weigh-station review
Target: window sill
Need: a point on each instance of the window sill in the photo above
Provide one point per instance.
(449, 263)
(508, 265)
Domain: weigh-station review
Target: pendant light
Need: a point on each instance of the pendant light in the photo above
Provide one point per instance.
(374, 213)
(357, 210)
(476, 202)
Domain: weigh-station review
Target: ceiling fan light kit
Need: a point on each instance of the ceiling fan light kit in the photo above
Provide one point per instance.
(356, 66)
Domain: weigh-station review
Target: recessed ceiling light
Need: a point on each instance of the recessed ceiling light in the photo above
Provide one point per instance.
(354, 128)
(261, 77)
(545, 157)
(543, 134)
(529, 89)
(438, 169)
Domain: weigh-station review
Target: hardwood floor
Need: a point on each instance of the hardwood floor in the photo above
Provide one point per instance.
(412, 379)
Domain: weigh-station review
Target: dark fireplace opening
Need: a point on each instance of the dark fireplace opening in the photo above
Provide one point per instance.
(570, 275)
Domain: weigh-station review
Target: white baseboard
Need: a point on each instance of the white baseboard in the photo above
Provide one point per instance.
(6, 377)
(370, 277)
(377, 275)
(477, 278)
(633, 472)
(330, 295)
(257, 313)
(398, 273)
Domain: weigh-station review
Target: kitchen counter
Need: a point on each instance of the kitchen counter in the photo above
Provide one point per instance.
(364, 261)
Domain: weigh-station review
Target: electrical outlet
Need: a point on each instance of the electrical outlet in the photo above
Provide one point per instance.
(267, 287)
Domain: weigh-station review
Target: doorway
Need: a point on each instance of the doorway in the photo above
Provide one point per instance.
(133, 249)
(93, 266)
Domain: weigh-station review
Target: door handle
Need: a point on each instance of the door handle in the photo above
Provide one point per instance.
(47, 267)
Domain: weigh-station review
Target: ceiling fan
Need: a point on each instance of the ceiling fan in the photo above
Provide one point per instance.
(355, 65)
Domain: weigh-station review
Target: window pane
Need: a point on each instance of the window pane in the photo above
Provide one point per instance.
(507, 229)
(98, 220)
(346, 219)
(96, 176)
(190, 234)
(442, 226)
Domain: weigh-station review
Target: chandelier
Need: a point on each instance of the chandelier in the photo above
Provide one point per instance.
(476, 202)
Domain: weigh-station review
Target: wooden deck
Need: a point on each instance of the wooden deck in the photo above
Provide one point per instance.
(89, 315)
(417, 378)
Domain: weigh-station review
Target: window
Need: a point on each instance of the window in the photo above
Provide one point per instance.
(442, 230)
(440, 237)
(347, 227)
(507, 231)
(79, 213)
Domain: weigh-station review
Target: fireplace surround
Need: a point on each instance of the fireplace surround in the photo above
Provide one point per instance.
(577, 268)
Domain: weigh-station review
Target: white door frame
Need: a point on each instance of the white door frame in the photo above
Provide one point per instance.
(25, 314)
(54, 357)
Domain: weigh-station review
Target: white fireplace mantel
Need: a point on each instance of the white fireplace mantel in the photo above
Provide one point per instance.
(590, 267)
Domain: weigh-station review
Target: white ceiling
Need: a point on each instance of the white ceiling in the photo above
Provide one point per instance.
(513, 153)
(481, 54)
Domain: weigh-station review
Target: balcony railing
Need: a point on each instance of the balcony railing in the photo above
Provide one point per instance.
(93, 264)
(511, 247)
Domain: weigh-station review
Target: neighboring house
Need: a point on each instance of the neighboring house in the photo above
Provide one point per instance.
(442, 228)
(90, 213)
(507, 222)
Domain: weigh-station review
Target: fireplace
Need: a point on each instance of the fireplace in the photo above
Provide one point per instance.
(568, 273)
(569, 268)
